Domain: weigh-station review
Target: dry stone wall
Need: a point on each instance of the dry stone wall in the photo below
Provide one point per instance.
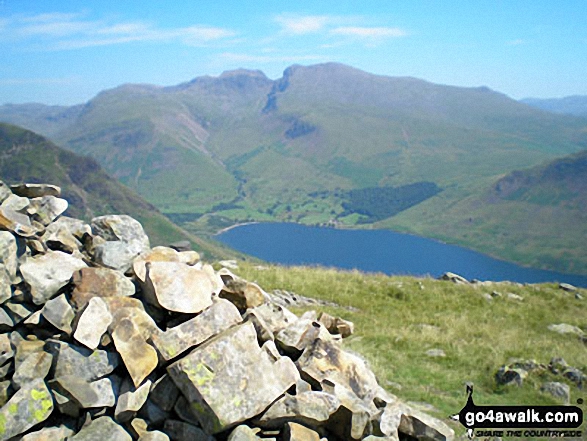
(104, 338)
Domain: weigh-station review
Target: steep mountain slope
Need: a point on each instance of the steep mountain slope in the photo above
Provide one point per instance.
(28, 157)
(536, 216)
(571, 105)
(219, 150)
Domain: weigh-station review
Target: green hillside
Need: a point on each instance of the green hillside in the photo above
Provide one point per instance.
(221, 150)
(28, 157)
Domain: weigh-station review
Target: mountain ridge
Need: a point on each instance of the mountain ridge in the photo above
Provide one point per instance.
(240, 146)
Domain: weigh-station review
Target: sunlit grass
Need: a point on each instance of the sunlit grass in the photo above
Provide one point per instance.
(400, 318)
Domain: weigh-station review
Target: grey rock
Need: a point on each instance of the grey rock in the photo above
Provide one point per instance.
(116, 255)
(242, 294)
(435, 353)
(164, 393)
(31, 405)
(422, 426)
(337, 325)
(16, 203)
(35, 190)
(120, 228)
(35, 366)
(47, 274)
(46, 209)
(515, 297)
(229, 366)
(59, 237)
(18, 311)
(60, 433)
(180, 431)
(8, 254)
(299, 334)
(156, 254)
(81, 362)
(212, 321)
(311, 408)
(181, 245)
(452, 277)
(564, 328)
(101, 427)
(178, 287)
(6, 322)
(93, 323)
(6, 351)
(59, 313)
(274, 317)
(4, 191)
(87, 394)
(567, 287)
(297, 432)
(326, 360)
(5, 282)
(558, 390)
(130, 400)
(184, 412)
(15, 222)
(99, 282)
(153, 413)
(510, 376)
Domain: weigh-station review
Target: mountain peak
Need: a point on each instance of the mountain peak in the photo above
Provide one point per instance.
(243, 73)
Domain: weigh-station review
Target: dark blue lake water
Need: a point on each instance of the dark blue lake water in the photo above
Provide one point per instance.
(377, 251)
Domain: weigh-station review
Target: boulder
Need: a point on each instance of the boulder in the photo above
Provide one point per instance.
(558, 390)
(99, 428)
(86, 394)
(212, 321)
(59, 313)
(121, 228)
(46, 209)
(59, 237)
(16, 222)
(157, 254)
(35, 366)
(31, 405)
(242, 294)
(99, 282)
(565, 328)
(46, 274)
(81, 362)
(116, 255)
(229, 366)
(178, 287)
(452, 277)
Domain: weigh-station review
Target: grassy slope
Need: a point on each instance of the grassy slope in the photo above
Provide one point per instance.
(477, 335)
(28, 157)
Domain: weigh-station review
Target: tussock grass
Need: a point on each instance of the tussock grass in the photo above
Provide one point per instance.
(400, 318)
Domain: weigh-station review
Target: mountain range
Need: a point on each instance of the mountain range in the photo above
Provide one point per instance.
(331, 144)
(571, 105)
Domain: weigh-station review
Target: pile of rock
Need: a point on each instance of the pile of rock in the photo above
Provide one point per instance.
(105, 338)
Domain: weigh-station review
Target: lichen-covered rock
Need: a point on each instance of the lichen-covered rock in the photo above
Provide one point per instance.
(217, 318)
(35, 366)
(46, 274)
(81, 362)
(31, 405)
(231, 365)
(178, 287)
(101, 427)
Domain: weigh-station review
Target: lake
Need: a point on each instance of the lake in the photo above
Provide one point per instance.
(377, 251)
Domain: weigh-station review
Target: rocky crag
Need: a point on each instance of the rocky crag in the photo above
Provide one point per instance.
(104, 338)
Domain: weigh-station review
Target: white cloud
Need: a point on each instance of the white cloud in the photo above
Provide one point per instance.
(72, 31)
(368, 32)
(305, 24)
(247, 58)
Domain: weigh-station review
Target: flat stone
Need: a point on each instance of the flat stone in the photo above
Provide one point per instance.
(81, 362)
(46, 209)
(47, 274)
(455, 278)
(31, 405)
(16, 203)
(99, 428)
(35, 366)
(59, 313)
(139, 357)
(99, 393)
(16, 222)
(178, 287)
(212, 321)
(297, 432)
(567, 287)
(35, 190)
(93, 323)
(229, 366)
(130, 400)
(157, 254)
(60, 433)
(99, 282)
(312, 408)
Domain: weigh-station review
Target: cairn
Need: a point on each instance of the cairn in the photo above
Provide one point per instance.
(104, 338)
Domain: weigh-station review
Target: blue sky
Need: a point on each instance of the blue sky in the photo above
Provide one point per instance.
(66, 51)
